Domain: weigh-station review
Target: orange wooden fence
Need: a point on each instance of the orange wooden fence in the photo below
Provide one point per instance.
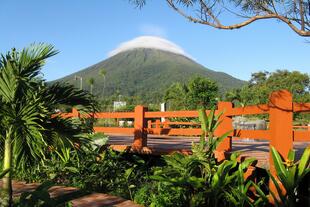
(280, 132)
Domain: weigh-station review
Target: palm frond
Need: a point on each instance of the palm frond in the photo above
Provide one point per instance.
(66, 94)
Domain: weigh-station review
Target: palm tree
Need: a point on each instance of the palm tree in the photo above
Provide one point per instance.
(91, 82)
(26, 108)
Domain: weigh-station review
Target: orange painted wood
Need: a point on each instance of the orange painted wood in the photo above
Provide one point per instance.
(248, 110)
(116, 130)
(252, 134)
(159, 114)
(280, 108)
(183, 123)
(140, 124)
(225, 126)
(165, 124)
(149, 124)
(75, 112)
(302, 127)
(64, 115)
(281, 122)
(301, 136)
(301, 107)
(158, 124)
(111, 115)
(157, 129)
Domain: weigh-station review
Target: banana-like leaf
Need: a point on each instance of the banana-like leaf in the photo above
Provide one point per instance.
(279, 190)
(4, 172)
(260, 193)
(278, 163)
(246, 163)
(291, 180)
(291, 155)
(203, 119)
(304, 162)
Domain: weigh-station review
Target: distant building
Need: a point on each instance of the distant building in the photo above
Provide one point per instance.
(163, 107)
(118, 104)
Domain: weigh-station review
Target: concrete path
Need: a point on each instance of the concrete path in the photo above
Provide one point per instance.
(160, 144)
(79, 199)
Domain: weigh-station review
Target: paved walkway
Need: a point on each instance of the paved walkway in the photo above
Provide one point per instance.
(161, 144)
(79, 199)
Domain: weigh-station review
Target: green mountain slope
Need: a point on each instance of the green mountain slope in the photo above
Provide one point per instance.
(146, 73)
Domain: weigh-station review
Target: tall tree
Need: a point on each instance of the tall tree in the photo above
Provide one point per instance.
(294, 13)
(26, 108)
(263, 83)
(103, 73)
(175, 96)
(91, 82)
(199, 92)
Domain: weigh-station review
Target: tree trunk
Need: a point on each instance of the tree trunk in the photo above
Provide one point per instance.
(103, 85)
(6, 191)
(91, 88)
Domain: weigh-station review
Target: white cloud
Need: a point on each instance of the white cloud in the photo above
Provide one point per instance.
(154, 30)
(149, 42)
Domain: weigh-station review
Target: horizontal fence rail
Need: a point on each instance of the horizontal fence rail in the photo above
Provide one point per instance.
(280, 133)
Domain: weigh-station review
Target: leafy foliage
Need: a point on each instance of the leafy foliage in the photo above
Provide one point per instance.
(27, 106)
(263, 83)
(209, 124)
(198, 179)
(174, 180)
(159, 194)
(3, 173)
(199, 92)
(290, 175)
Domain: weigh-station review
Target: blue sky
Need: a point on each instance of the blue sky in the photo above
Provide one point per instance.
(86, 31)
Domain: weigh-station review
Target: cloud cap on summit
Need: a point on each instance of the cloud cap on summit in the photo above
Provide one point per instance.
(152, 42)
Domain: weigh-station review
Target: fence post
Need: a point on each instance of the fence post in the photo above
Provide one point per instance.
(281, 123)
(165, 124)
(225, 126)
(140, 123)
(157, 126)
(149, 124)
(75, 113)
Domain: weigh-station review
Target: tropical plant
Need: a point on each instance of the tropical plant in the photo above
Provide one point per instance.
(209, 124)
(199, 177)
(289, 177)
(239, 193)
(3, 173)
(188, 174)
(19, 103)
(227, 184)
(199, 182)
(27, 106)
(193, 171)
(159, 194)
